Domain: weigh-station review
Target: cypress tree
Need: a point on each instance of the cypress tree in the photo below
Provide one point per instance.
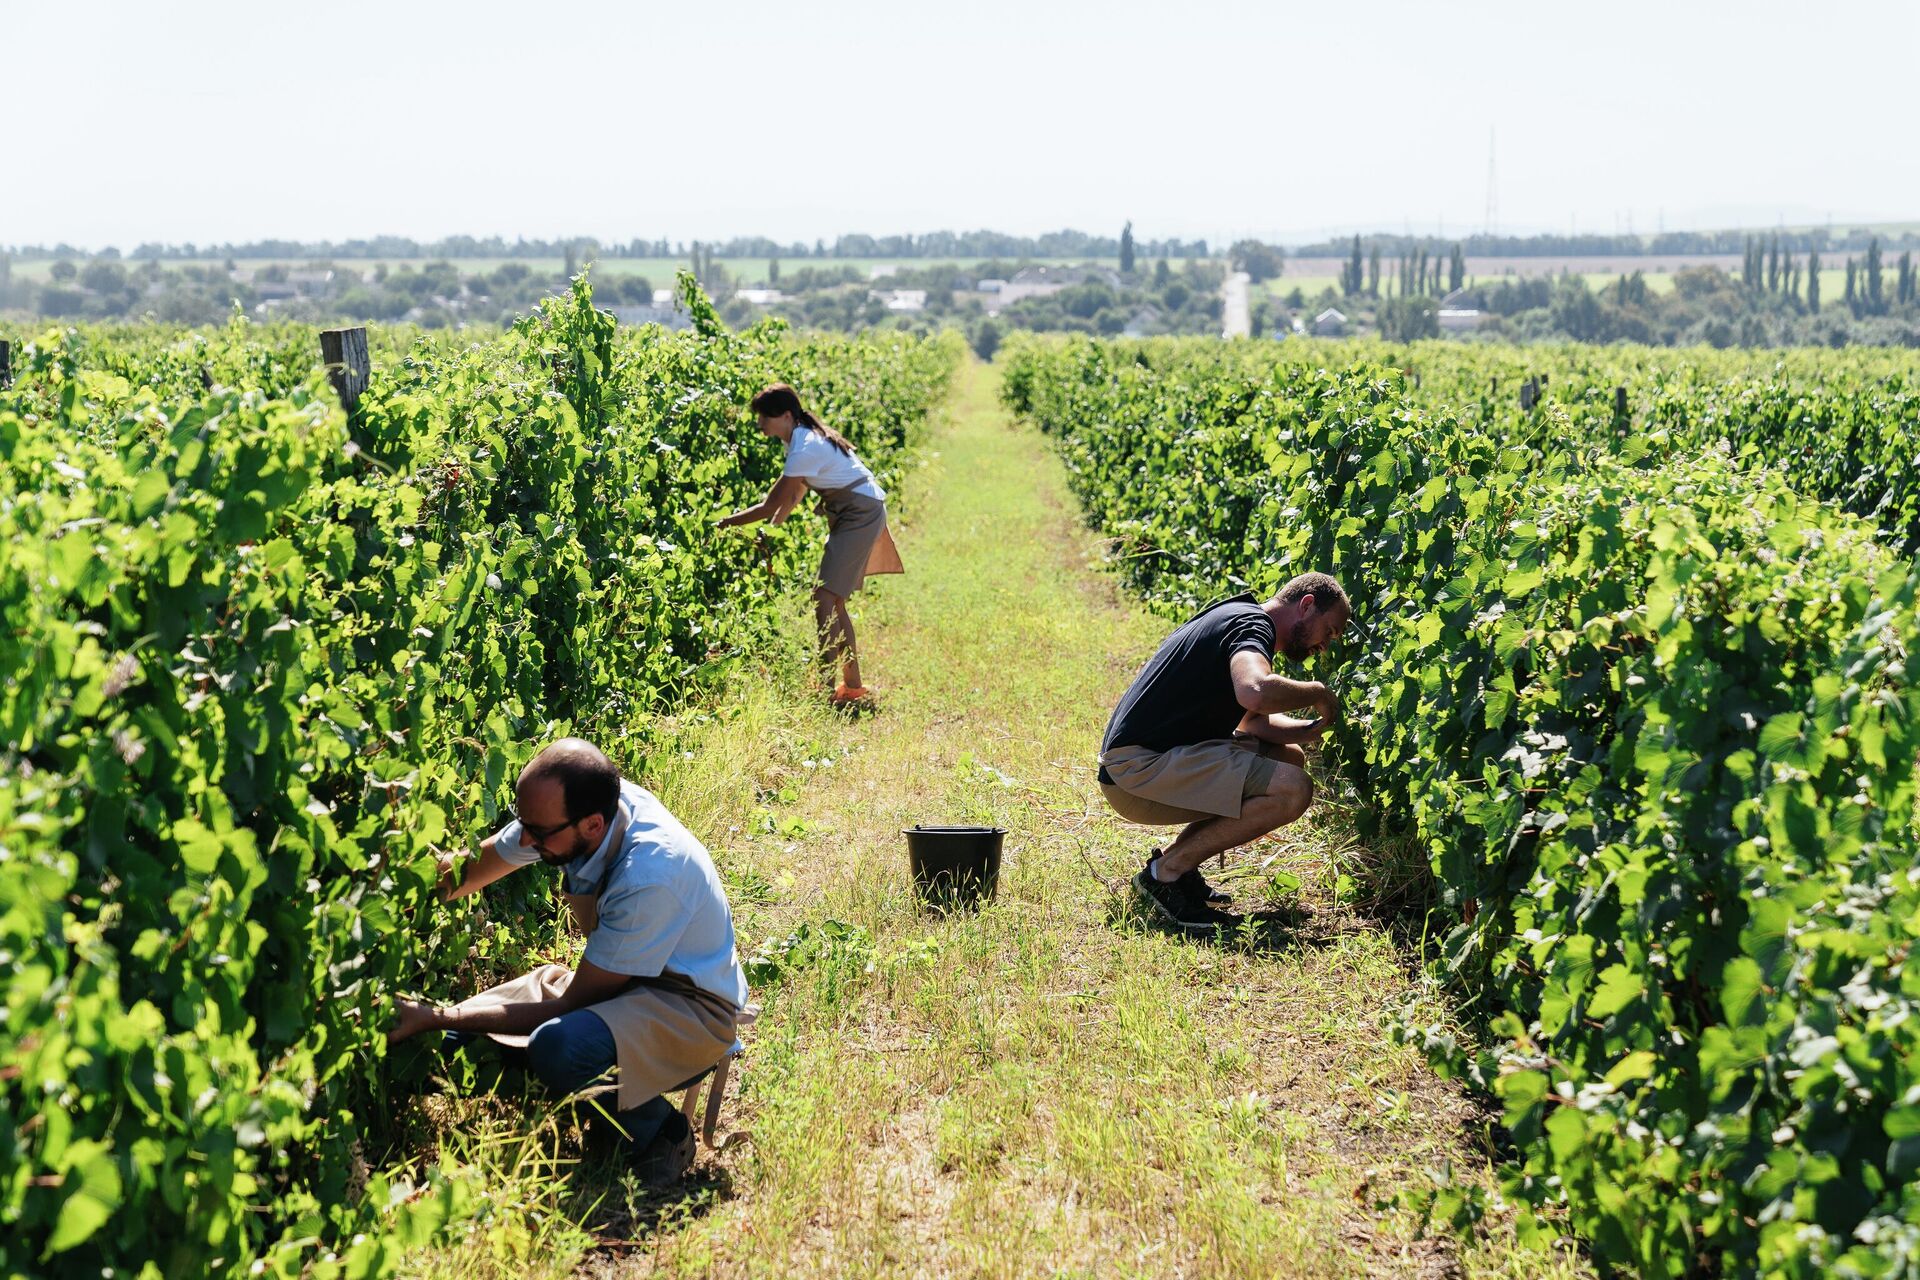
(1851, 300)
(1353, 266)
(1457, 269)
(1126, 249)
(1373, 271)
(1813, 282)
(1876, 300)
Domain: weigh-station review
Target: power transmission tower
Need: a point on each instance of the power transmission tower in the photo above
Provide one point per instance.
(1492, 204)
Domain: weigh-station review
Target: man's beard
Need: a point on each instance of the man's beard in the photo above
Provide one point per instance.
(1296, 646)
(554, 860)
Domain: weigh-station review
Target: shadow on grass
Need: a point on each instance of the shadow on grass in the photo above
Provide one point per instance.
(623, 1216)
(1273, 930)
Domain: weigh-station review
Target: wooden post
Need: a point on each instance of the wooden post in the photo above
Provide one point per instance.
(6, 364)
(1529, 394)
(349, 368)
(1620, 403)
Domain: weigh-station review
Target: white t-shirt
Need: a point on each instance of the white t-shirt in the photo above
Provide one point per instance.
(812, 457)
(661, 902)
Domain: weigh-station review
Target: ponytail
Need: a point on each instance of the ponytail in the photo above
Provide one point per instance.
(777, 398)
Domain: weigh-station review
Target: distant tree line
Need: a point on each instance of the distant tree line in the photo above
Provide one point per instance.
(433, 295)
(1155, 299)
(1598, 246)
(1774, 299)
(1421, 274)
(934, 244)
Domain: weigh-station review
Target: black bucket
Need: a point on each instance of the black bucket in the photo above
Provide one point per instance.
(954, 866)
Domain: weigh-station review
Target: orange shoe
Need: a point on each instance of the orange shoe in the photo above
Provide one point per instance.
(858, 696)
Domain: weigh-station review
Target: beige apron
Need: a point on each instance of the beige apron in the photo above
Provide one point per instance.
(665, 1030)
(858, 541)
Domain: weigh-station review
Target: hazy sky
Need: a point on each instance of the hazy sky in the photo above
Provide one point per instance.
(211, 120)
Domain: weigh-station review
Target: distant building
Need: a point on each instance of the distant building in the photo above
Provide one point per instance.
(760, 297)
(900, 299)
(279, 285)
(1330, 324)
(1062, 276)
(1041, 282)
(1457, 312)
(882, 270)
(1144, 321)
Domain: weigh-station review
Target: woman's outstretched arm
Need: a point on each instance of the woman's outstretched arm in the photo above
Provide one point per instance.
(777, 505)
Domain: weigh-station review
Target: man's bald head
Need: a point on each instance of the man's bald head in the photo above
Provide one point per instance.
(589, 783)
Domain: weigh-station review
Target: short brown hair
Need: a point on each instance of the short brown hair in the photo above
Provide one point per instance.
(1325, 591)
(588, 780)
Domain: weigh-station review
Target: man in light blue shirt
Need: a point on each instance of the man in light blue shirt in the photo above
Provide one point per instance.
(659, 989)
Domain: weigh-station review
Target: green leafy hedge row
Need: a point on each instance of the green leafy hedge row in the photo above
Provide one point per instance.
(259, 664)
(1843, 426)
(1648, 711)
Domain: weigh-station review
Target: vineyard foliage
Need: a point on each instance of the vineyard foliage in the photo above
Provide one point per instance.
(1838, 425)
(261, 663)
(1645, 705)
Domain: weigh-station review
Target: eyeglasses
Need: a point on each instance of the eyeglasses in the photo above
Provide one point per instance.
(540, 835)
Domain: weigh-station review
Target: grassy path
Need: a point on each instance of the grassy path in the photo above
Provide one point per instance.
(1049, 1087)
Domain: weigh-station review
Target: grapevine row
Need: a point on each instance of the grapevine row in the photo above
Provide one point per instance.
(1645, 706)
(261, 663)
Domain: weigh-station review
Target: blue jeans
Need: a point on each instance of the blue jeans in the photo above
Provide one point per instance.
(569, 1053)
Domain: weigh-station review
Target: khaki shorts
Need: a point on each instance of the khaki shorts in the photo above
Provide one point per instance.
(1187, 784)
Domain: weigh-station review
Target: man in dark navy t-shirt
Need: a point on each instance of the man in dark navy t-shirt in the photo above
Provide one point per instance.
(1198, 738)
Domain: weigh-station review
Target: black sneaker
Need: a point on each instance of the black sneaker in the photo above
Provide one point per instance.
(1181, 903)
(1207, 892)
(669, 1156)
